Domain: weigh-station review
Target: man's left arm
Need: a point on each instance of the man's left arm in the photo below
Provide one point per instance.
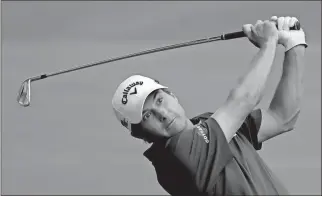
(284, 108)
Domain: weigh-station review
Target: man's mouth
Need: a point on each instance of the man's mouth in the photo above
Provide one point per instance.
(170, 123)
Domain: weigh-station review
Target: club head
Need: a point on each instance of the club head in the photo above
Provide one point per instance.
(24, 93)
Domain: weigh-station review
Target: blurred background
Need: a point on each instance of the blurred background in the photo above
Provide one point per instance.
(68, 141)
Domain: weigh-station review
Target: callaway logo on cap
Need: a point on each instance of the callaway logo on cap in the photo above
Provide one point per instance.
(129, 98)
(127, 90)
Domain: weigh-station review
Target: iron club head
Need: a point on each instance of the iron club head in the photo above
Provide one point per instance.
(24, 93)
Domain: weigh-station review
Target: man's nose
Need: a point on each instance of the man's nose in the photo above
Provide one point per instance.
(162, 114)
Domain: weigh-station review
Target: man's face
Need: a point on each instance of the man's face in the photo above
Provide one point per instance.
(163, 116)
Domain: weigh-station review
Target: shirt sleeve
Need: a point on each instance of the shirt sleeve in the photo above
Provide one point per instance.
(250, 128)
(204, 151)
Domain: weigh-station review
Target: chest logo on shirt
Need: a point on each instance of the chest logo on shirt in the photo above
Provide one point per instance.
(202, 133)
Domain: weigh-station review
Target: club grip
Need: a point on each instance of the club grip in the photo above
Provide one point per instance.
(228, 36)
(241, 34)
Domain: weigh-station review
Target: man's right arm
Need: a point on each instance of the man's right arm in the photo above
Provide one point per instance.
(249, 91)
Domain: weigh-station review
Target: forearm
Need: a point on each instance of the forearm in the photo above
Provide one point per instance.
(251, 86)
(287, 98)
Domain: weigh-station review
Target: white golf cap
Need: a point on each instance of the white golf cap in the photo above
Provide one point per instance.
(129, 98)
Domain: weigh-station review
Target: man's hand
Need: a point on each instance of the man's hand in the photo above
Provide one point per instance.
(261, 33)
(286, 37)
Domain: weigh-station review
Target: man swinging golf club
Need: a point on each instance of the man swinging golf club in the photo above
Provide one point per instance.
(215, 153)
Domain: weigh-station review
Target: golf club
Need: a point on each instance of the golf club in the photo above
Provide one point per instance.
(25, 89)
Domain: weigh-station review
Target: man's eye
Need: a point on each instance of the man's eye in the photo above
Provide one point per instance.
(146, 116)
(160, 100)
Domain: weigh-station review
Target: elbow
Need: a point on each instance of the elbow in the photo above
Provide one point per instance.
(287, 128)
(289, 124)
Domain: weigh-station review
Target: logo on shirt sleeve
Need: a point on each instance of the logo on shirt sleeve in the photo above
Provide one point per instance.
(202, 133)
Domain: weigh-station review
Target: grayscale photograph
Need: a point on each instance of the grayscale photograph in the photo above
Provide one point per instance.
(182, 98)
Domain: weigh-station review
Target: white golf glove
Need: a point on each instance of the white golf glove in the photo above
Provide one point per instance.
(286, 37)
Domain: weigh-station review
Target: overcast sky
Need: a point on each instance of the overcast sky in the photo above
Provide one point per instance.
(68, 141)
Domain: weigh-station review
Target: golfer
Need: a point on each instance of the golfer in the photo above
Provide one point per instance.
(216, 153)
